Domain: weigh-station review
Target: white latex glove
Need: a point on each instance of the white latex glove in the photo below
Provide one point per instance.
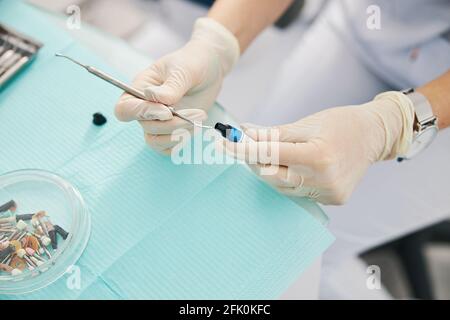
(324, 156)
(188, 79)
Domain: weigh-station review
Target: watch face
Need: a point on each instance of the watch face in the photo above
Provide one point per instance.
(422, 141)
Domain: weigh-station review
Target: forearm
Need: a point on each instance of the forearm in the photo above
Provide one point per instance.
(247, 18)
(438, 93)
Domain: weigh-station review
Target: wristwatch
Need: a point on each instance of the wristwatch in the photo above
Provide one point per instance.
(425, 124)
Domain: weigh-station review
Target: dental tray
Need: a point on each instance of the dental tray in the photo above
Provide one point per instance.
(16, 51)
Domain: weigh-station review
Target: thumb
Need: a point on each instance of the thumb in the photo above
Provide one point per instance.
(296, 132)
(256, 132)
(268, 134)
(171, 91)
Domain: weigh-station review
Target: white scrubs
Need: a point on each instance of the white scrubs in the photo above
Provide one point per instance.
(340, 61)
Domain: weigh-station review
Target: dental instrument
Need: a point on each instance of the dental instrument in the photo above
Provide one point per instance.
(227, 131)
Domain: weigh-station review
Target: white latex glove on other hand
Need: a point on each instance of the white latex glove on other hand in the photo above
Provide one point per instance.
(188, 79)
(324, 156)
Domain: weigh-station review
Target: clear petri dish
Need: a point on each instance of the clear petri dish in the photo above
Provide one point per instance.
(35, 190)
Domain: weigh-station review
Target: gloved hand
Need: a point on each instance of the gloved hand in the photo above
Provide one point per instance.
(324, 156)
(188, 79)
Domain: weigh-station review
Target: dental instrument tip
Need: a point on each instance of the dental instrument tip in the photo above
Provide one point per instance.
(71, 59)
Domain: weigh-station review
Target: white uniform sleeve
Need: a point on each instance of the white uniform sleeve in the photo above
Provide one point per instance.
(409, 47)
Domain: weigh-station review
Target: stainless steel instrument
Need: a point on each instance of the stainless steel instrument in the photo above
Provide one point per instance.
(127, 88)
(16, 51)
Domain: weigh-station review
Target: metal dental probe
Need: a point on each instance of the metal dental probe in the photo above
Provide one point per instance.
(5, 44)
(125, 87)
